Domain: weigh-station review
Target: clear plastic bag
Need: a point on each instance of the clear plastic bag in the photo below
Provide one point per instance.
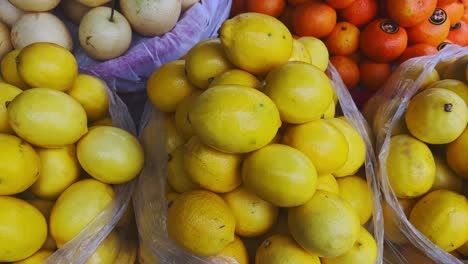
(151, 204)
(392, 100)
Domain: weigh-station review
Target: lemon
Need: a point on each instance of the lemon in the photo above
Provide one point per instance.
(237, 251)
(324, 144)
(59, 169)
(410, 166)
(457, 69)
(254, 216)
(393, 231)
(356, 145)
(436, 116)
(456, 86)
(82, 202)
(107, 252)
(182, 121)
(301, 92)
(364, 251)
(110, 154)
(177, 176)
(281, 249)
(10, 70)
(168, 85)
(442, 216)
(299, 52)
(256, 42)
(326, 182)
(106, 121)
(7, 93)
(38, 258)
(24, 229)
(237, 77)
(234, 119)
(355, 191)
(19, 165)
(445, 178)
(317, 50)
(91, 93)
(49, 65)
(330, 112)
(205, 61)
(45, 207)
(47, 118)
(414, 72)
(280, 174)
(455, 157)
(201, 222)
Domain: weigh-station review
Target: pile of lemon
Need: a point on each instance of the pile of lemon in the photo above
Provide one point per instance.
(259, 168)
(59, 155)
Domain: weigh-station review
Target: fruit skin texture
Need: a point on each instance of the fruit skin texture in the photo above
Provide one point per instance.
(393, 231)
(410, 166)
(456, 158)
(317, 50)
(45, 207)
(327, 182)
(374, 74)
(436, 116)
(281, 175)
(255, 42)
(442, 216)
(236, 77)
(360, 12)
(299, 52)
(315, 19)
(417, 50)
(343, 40)
(317, 224)
(110, 154)
(408, 13)
(234, 119)
(38, 257)
(430, 32)
(458, 34)
(108, 251)
(355, 191)
(7, 93)
(237, 251)
(201, 222)
(279, 249)
(348, 70)
(271, 7)
(10, 70)
(24, 229)
(177, 176)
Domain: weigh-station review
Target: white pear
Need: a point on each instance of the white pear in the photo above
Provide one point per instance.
(9, 13)
(5, 43)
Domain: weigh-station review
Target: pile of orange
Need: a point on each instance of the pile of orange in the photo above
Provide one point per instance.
(366, 38)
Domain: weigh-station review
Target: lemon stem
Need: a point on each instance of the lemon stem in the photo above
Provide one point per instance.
(448, 107)
(111, 19)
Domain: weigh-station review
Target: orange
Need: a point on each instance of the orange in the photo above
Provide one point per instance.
(431, 31)
(343, 40)
(417, 50)
(356, 56)
(287, 17)
(339, 4)
(237, 7)
(360, 12)
(458, 33)
(314, 19)
(383, 40)
(270, 7)
(454, 11)
(348, 69)
(374, 74)
(443, 44)
(408, 13)
(297, 2)
(465, 13)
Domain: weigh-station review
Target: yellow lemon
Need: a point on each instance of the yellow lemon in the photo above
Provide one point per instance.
(410, 166)
(237, 77)
(9, 69)
(24, 229)
(45, 207)
(317, 50)
(414, 72)
(281, 249)
(356, 145)
(443, 64)
(44, 64)
(205, 61)
(201, 222)
(38, 258)
(326, 182)
(237, 251)
(177, 176)
(456, 86)
(299, 52)
(7, 93)
(445, 178)
(19, 165)
(456, 158)
(355, 191)
(442, 216)
(256, 42)
(324, 144)
(436, 116)
(330, 112)
(280, 174)
(82, 202)
(211, 169)
(110, 154)
(107, 252)
(234, 119)
(301, 92)
(91, 93)
(59, 169)
(168, 85)
(364, 251)
(393, 231)
(254, 216)
(182, 121)
(106, 121)
(170, 197)
(457, 69)
(47, 118)
(317, 224)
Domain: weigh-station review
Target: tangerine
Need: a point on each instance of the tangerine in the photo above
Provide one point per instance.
(237, 7)
(374, 74)
(454, 11)
(458, 33)
(348, 69)
(431, 31)
(287, 16)
(408, 13)
(417, 50)
(270, 7)
(339, 4)
(360, 12)
(297, 2)
(315, 19)
(343, 40)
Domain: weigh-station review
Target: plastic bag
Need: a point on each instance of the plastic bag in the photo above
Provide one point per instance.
(151, 204)
(392, 100)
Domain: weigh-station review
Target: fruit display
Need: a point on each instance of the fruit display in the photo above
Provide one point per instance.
(61, 156)
(261, 165)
